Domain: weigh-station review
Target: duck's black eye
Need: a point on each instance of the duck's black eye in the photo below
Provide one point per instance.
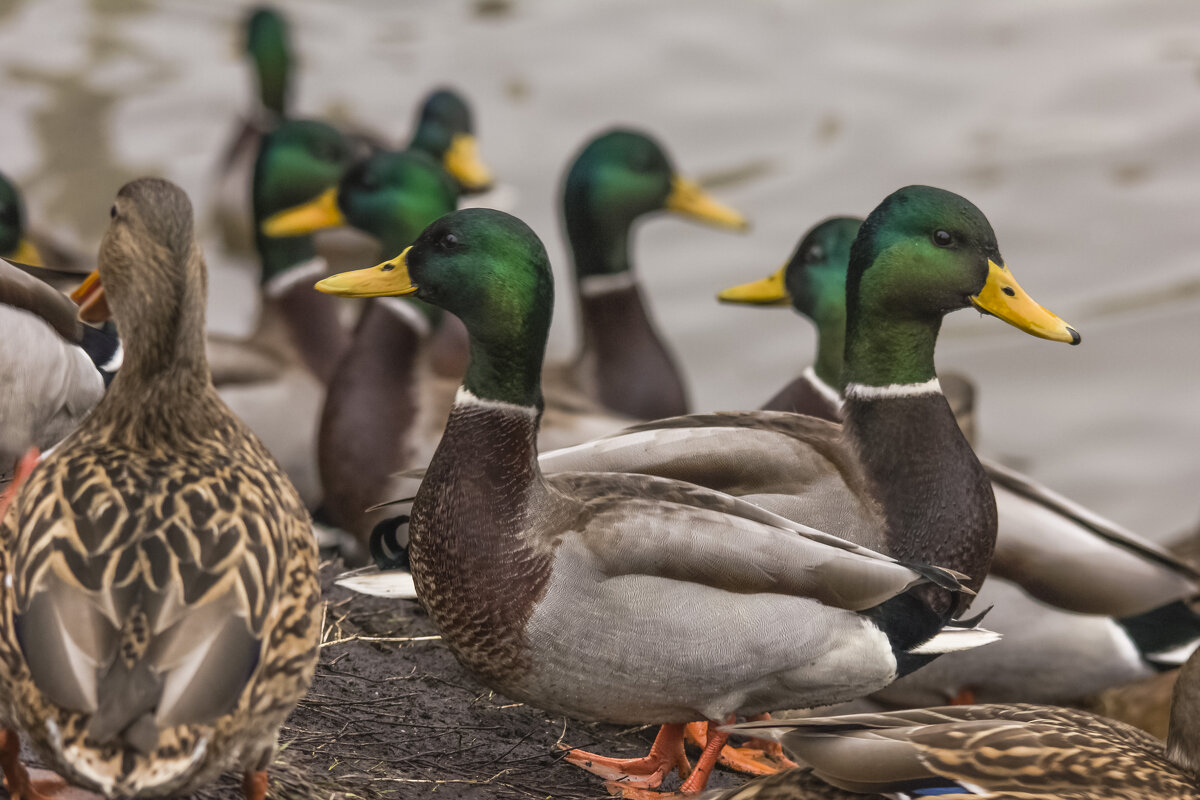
(942, 238)
(112, 212)
(815, 253)
(447, 240)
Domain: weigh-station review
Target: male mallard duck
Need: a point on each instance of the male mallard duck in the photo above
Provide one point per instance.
(1053, 549)
(404, 349)
(635, 599)
(618, 178)
(160, 609)
(997, 751)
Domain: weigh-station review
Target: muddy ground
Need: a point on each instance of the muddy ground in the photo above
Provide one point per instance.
(392, 715)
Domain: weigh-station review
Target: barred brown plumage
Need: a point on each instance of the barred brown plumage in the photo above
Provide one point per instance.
(161, 612)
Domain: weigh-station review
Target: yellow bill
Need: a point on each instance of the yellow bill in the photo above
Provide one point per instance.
(463, 162)
(688, 199)
(770, 291)
(27, 254)
(89, 296)
(317, 214)
(1001, 296)
(388, 279)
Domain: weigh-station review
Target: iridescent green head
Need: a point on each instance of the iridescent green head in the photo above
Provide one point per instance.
(923, 253)
(489, 269)
(267, 44)
(619, 176)
(297, 161)
(395, 196)
(446, 132)
(813, 281)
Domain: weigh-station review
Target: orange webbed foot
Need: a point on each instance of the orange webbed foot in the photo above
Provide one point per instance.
(638, 773)
(24, 467)
(33, 784)
(758, 757)
(965, 697)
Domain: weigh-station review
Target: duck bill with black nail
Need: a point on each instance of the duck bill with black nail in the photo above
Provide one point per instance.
(1002, 297)
(387, 279)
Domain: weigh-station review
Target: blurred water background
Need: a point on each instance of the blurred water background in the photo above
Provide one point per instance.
(1074, 125)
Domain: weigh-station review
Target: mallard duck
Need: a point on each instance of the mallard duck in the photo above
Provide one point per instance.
(1069, 558)
(405, 350)
(512, 563)
(161, 610)
(444, 130)
(619, 177)
(55, 377)
(998, 751)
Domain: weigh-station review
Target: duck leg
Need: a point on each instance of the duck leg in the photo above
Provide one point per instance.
(714, 744)
(647, 772)
(758, 757)
(16, 777)
(254, 785)
(24, 467)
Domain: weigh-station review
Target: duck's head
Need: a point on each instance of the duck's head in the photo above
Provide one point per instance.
(446, 133)
(620, 176)
(929, 252)
(922, 253)
(267, 45)
(151, 274)
(813, 281)
(13, 243)
(489, 269)
(298, 161)
(391, 196)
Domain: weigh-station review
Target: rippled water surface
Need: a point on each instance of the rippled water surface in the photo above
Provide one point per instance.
(1074, 125)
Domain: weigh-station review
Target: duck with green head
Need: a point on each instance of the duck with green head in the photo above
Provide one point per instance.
(619, 177)
(378, 414)
(1073, 561)
(621, 597)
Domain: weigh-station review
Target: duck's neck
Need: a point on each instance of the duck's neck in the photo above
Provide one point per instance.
(830, 319)
(935, 495)
(1183, 734)
(631, 370)
(271, 66)
(290, 267)
(467, 537)
(163, 391)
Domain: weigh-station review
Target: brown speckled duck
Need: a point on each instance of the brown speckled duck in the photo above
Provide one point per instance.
(619, 597)
(160, 607)
(994, 751)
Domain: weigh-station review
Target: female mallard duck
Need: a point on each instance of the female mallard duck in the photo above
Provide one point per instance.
(1054, 550)
(997, 751)
(618, 178)
(161, 611)
(511, 563)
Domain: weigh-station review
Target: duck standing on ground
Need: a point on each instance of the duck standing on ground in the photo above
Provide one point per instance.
(635, 599)
(619, 177)
(160, 609)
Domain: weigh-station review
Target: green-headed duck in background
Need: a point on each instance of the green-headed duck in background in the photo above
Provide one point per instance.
(620, 597)
(619, 177)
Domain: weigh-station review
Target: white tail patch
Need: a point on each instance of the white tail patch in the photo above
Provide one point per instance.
(309, 271)
(1176, 655)
(862, 391)
(951, 640)
(392, 583)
